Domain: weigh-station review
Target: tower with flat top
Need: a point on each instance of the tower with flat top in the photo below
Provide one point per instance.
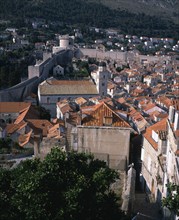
(101, 78)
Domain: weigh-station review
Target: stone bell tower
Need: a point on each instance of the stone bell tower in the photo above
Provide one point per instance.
(101, 80)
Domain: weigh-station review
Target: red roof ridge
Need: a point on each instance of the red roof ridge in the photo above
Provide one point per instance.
(24, 138)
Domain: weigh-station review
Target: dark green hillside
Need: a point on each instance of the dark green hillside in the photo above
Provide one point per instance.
(161, 8)
(82, 12)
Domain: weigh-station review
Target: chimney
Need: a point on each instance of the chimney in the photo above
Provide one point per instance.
(176, 122)
(171, 114)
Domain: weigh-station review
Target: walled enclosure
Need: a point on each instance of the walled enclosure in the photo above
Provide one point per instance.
(37, 74)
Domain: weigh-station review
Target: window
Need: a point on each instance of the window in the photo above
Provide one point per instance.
(103, 84)
(107, 121)
(48, 100)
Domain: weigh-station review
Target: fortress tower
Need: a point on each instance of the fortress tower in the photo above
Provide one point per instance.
(64, 41)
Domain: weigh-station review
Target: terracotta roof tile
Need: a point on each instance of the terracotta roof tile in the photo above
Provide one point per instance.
(80, 100)
(54, 132)
(103, 115)
(149, 106)
(40, 126)
(67, 82)
(138, 91)
(24, 138)
(107, 100)
(54, 128)
(11, 128)
(89, 109)
(121, 100)
(154, 113)
(65, 108)
(166, 101)
(21, 116)
(158, 127)
(162, 115)
(13, 107)
(70, 87)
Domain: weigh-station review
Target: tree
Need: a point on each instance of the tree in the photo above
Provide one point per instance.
(172, 199)
(64, 186)
(5, 145)
(44, 113)
(119, 69)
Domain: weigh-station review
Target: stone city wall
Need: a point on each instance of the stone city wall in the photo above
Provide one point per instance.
(37, 74)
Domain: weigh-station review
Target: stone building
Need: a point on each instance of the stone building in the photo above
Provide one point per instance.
(9, 111)
(172, 158)
(105, 134)
(153, 158)
(37, 74)
(151, 80)
(52, 90)
(160, 154)
(39, 135)
(110, 144)
(58, 71)
(101, 77)
(172, 155)
(65, 42)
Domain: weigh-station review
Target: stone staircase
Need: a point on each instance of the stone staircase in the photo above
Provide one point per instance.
(146, 206)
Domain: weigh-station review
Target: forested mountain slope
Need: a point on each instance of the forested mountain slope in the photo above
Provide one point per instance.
(167, 9)
(89, 12)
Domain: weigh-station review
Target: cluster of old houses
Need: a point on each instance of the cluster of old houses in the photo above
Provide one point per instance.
(115, 40)
(101, 114)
